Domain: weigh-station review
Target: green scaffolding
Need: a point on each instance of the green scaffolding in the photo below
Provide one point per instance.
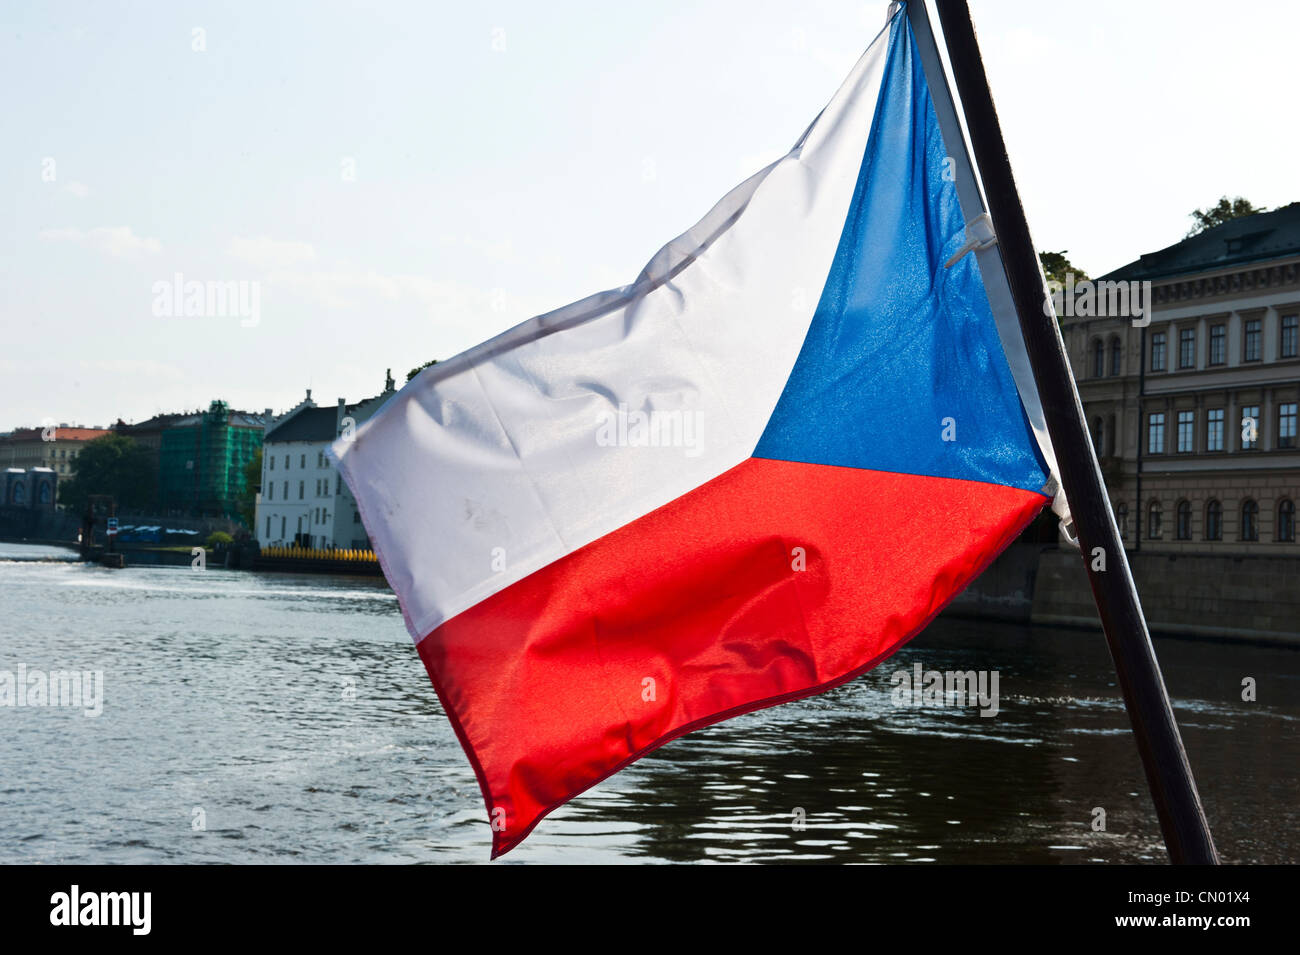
(201, 464)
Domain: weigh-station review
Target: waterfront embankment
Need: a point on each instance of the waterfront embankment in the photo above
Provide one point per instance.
(1190, 595)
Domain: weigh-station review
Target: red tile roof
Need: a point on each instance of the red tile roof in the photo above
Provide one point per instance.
(60, 434)
(79, 434)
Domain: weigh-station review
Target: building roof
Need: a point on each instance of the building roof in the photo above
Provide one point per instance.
(234, 419)
(79, 434)
(1257, 238)
(309, 424)
(156, 423)
(60, 434)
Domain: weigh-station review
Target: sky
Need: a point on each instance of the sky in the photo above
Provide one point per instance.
(400, 181)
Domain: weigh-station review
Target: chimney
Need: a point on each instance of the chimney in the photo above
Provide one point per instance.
(338, 418)
(308, 398)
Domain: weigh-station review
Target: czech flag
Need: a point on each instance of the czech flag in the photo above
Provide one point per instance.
(747, 477)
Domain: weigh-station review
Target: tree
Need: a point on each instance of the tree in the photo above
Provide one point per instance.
(1223, 211)
(218, 539)
(419, 368)
(116, 465)
(247, 504)
(1056, 266)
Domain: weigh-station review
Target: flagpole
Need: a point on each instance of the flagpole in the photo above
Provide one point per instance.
(1182, 819)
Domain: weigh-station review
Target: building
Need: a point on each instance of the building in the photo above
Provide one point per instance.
(53, 447)
(1194, 416)
(201, 461)
(304, 500)
(148, 434)
(33, 489)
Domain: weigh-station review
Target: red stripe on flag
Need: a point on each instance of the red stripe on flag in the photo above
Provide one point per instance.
(699, 611)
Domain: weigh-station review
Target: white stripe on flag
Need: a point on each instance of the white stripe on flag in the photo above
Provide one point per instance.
(487, 467)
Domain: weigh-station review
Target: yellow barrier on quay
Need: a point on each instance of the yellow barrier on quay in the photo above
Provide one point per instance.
(318, 560)
(312, 553)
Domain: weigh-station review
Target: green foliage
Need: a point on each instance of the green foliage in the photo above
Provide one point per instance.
(1223, 211)
(217, 539)
(116, 465)
(419, 368)
(247, 504)
(1056, 266)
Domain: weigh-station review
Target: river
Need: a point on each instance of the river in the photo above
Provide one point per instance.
(284, 718)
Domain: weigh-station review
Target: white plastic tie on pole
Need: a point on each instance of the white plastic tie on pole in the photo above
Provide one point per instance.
(979, 235)
(1061, 508)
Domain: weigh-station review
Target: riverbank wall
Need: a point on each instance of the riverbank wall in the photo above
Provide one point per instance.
(1203, 595)
(19, 524)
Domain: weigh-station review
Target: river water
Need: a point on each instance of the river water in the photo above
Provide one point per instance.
(284, 718)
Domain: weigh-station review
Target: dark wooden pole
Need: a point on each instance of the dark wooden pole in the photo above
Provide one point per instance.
(1182, 820)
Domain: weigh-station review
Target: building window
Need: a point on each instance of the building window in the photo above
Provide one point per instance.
(1286, 520)
(302, 487)
(1156, 433)
(1186, 431)
(1214, 429)
(356, 517)
(1098, 437)
(1251, 350)
(1184, 529)
(1249, 427)
(1213, 521)
(270, 493)
(273, 462)
(286, 462)
(268, 526)
(302, 463)
(1249, 520)
(282, 520)
(1289, 341)
(1098, 358)
(1116, 357)
(1121, 518)
(1286, 425)
(1187, 348)
(1158, 351)
(1153, 520)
